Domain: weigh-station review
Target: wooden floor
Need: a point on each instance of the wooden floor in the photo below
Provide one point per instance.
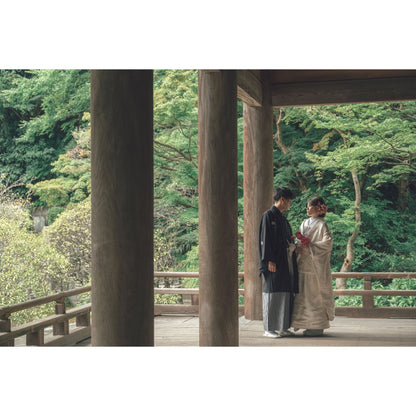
(345, 332)
(182, 331)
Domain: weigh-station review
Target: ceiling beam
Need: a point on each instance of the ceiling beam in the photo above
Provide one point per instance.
(344, 92)
(249, 88)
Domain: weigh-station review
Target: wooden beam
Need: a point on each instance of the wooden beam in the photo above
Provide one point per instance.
(373, 292)
(344, 92)
(374, 275)
(76, 335)
(378, 312)
(184, 310)
(249, 88)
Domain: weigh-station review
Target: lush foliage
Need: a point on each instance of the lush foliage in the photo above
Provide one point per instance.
(176, 166)
(45, 141)
(70, 236)
(377, 142)
(39, 110)
(29, 267)
(73, 173)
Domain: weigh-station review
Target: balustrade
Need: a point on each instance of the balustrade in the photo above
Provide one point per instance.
(35, 330)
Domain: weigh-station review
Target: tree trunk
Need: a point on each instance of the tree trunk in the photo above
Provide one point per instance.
(403, 198)
(341, 283)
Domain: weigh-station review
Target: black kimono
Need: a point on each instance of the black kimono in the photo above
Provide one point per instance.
(274, 237)
(278, 287)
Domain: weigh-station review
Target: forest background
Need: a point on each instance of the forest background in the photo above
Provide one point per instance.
(360, 158)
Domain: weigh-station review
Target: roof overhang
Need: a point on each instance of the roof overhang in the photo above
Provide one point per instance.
(316, 87)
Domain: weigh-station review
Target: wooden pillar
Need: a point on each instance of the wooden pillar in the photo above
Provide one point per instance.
(258, 192)
(218, 264)
(122, 208)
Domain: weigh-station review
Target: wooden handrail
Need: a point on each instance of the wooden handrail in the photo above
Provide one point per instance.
(335, 275)
(44, 323)
(373, 292)
(374, 275)
(34, 330)
(337, 292)
(187, 274)
(181, 291)
(7, 310)
(82, 313)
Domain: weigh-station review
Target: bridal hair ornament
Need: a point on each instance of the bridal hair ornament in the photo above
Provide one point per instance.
(322, 208)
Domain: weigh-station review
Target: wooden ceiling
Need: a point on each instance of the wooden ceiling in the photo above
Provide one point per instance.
(283, 76)
(315, 87)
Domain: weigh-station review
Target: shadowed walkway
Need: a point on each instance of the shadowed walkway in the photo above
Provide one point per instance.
(183, 331)
(359, 332)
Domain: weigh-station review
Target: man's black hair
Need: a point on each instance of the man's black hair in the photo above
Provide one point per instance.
(282, 192)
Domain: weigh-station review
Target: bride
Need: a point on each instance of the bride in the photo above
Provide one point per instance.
(314, 304)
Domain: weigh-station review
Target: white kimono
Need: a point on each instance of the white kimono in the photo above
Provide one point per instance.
(314, 304)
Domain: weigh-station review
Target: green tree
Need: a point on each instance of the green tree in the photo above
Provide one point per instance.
(70, 236)
(355, 157)
(29, 268)
(176, 164)
(42, 109)
(73, 173)
(176, 159)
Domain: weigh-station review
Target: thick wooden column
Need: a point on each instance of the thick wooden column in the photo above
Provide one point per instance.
(258, 192)
(122, 208)
(218, 265)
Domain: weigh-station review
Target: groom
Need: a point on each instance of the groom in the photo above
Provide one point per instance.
(278, 266)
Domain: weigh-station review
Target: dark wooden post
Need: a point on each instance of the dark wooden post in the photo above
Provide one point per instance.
(258, 191)
(36, 338)
(218, 264)
(122, 208)
(368, 300)
(83, 320)
(60, 328)
(6, 326)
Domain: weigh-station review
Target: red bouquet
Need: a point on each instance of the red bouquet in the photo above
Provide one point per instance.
(303, 240)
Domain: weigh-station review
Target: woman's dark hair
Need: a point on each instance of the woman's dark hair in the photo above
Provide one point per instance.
(318, 202)
(282, 193)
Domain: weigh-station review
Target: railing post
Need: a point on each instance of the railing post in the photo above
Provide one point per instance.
(195, 299)
(368, 300)
(83, 320)
(61, 328)
(36, 338)
(6, 326)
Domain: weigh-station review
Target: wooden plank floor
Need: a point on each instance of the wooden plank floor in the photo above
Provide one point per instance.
(183, 331)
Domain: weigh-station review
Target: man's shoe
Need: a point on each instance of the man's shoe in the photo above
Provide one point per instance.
(271, 334)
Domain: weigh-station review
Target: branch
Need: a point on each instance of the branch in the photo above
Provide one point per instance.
(176, 150)
(285, 150)
(390, 144)
(189, 137)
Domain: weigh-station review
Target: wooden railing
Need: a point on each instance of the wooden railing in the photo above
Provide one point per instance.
(34, 331)
(367, 310)
(190, 297)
